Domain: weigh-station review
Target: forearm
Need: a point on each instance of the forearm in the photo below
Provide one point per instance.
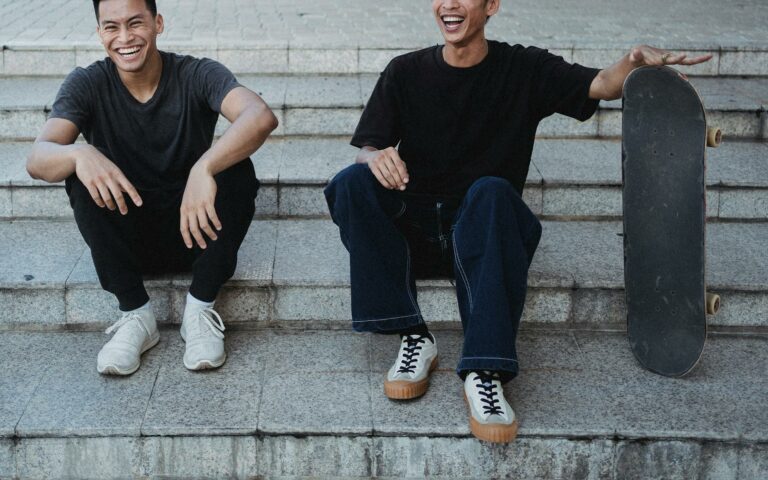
(609, 83)
(365, 155)
(51, 162)
(246, 135)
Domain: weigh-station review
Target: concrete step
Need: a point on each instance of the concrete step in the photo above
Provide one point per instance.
(315, 105)
(311, 405)
(568, 180)
(294, 274)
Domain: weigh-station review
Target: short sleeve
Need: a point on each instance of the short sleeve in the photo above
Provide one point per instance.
(379, 125)
(562, 87)
(212, 82)
(73, 102)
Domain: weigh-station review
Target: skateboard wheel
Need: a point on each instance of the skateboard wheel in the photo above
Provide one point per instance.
(714, 137)
(713, 303)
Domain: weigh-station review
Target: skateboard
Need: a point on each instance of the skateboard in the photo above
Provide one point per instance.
(664, 138)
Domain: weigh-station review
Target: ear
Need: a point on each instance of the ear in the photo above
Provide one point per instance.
(492, 7)
(159, 23)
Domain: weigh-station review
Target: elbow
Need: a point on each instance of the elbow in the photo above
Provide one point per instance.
(32, 169)
(269, 121)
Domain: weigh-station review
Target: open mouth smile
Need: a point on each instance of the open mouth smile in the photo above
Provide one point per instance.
(128, 53)
(452, 22)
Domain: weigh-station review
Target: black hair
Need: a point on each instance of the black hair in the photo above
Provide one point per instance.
(151, 5)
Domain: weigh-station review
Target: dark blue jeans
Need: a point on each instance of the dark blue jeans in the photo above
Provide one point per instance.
(485, 240)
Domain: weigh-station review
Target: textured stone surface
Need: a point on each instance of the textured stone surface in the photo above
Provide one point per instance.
(199, 457)
(320, 352)
(322, 61)
(74, 400)
(323, 92)
(82, 458)
(36, 202)
(337, 403)
(224, 401)
(312, 121)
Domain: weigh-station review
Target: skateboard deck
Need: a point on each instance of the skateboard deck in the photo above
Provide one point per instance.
(664, 137)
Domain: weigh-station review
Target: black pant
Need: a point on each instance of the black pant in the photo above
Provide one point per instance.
(148, 240)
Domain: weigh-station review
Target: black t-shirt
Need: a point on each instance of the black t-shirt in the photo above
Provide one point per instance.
(154, 143)
(455, 125)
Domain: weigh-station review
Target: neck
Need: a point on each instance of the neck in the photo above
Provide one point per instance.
(143, 83)
(463, 56)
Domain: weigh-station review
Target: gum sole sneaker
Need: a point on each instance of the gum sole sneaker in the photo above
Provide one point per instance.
(136, 332)
(408, 378)
(201, 330)
(491, 418)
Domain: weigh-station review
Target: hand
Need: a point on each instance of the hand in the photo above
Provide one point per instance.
(197, 208)
(103, 179)
(646, 55)
(389, 168)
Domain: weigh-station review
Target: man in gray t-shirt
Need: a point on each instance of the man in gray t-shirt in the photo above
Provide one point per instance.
(149, 192)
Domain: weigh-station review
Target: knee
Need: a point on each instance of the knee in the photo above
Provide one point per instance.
(354, 181)
(490, 188)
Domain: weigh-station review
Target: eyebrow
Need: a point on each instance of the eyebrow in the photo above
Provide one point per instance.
(137, 16)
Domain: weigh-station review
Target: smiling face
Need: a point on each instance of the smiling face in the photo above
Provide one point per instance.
(128, 31)
(462, 22)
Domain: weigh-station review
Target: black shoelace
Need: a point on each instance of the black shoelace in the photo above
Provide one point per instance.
(488, 390)
(411, 355)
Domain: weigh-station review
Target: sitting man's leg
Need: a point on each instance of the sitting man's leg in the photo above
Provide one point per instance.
(494, 240)
(113, 239)
(202, 326)
(383, 286)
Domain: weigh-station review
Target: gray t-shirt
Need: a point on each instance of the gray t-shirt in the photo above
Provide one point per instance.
(154, 143)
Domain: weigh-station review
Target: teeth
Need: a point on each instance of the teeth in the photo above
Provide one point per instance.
(453, 19)
(128, 51)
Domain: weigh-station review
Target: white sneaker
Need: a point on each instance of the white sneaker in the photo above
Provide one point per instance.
(136, 333)
(490, 417)
(201, 329)
(409, 376)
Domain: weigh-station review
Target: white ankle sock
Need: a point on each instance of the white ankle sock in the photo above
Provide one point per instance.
(146, 306)
(193, 301)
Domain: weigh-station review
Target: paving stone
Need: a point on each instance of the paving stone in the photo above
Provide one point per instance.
(560, 126)
(375, 61)
(336, 403)
(74, 400)
(33, 263)
(312, 121)
(583, 202)
(753, 462)
(41, 202)
(302, 201)
(224, 401)
(271, 89)
(241, 60)
(312, 161)
(444, 458)
(24, 92)
(21, 125)
(316, 91)
(735, 257)
(32, 62)
(82, 458)
(738, 164)
(673, 460)
(441, 411)
(6, 207)
(200, 457)
(321, 352)
(315, 456)
(743, 63)
(267, 160)
(7, 458)
(322, 61)
(638, 399)
(587, 162)
(744, 204)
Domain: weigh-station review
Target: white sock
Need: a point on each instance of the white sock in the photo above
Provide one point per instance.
(146, 306)
(193, 301)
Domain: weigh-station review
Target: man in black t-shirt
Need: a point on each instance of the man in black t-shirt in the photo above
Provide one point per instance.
(149, 192)
(445, 145)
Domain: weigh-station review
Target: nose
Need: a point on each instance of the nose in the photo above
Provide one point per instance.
(125, 34)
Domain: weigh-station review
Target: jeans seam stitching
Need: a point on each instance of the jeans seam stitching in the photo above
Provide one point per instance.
(408, 277)
(387, 318)
(489, 358)
(462, 273)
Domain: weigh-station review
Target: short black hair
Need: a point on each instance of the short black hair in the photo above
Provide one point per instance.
(151, 5)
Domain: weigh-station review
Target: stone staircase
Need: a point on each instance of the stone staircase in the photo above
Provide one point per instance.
(301, 396)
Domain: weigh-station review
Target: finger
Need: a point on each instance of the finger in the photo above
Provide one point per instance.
(401, 167)
(379, 177)
(202, 220)
(185, 231)
(392, 173)
(106, 196)
(211, 211)
(194, 229)
(130, 190)
(96, 196)
(117, 194)
(697, 60)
